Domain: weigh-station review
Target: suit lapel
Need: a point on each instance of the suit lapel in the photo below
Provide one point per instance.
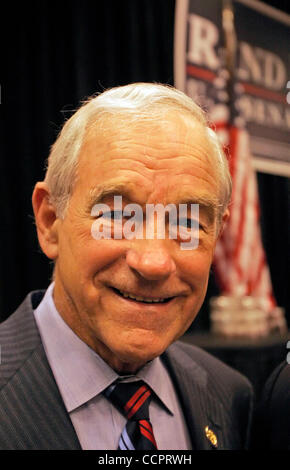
(31, 389)
(202, 411)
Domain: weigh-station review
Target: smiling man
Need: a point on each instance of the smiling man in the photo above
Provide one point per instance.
(91, 363)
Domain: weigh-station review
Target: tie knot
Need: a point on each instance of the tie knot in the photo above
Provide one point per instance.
(131, 398)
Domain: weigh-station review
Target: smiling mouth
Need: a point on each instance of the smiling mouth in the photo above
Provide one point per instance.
(144, 300)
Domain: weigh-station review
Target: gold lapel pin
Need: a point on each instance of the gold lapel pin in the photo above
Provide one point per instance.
(211, 436)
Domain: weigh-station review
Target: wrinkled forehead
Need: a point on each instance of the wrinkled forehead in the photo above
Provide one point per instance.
(158, 158)
(182, 129)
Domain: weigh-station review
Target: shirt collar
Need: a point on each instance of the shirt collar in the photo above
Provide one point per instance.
(80, 373)
(156, 377)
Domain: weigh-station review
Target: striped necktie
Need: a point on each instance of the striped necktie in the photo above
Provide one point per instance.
(132, 400)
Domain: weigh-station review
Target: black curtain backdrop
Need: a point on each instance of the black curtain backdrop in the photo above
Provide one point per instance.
(55, 54)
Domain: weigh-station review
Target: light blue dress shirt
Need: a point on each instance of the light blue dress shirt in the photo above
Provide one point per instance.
(82, 375)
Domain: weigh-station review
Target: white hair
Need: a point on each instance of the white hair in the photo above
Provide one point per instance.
(134, 102)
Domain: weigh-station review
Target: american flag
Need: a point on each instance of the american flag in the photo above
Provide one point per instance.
(240, 262)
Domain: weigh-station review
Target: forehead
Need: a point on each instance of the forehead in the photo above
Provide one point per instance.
(159, 136)
(172, 155)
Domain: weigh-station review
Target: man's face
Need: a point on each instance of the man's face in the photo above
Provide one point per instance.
(162, 163)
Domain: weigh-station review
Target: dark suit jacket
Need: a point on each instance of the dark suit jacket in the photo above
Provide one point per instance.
(272, 418)
(33, 415)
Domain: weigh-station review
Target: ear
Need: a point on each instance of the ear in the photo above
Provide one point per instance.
(224, 220)
(46, 220)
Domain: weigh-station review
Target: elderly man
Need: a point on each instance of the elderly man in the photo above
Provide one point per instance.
(90, 364)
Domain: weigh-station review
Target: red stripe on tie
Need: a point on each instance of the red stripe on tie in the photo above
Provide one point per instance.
(146, 425)
(134, 398)
(138, 404)
(147, 435)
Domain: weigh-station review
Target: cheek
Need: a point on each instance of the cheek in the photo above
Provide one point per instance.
(83, 255)
(195, 266)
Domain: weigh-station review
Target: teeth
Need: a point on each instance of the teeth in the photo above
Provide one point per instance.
(140, 299)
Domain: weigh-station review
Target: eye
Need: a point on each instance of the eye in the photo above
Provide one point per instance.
(189, 223)
(116, 215)
(186, 222)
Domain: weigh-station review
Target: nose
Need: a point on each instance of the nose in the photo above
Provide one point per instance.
(151, 262)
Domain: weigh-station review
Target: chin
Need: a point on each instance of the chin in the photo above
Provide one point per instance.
(139, 352)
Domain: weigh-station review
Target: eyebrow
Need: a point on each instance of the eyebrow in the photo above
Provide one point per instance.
(100, 192)
(207, 201)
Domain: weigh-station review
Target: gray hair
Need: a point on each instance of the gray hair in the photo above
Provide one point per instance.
(137, 101)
